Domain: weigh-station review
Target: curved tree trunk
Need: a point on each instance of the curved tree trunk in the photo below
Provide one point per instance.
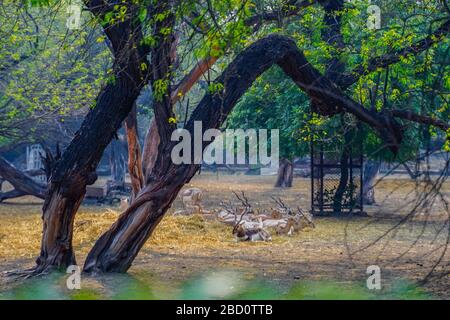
(22, 183)
(285, 174)
(76, 168)
(117, 248)
(371, 169)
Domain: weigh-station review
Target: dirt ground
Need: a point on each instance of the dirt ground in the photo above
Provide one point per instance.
(339, 249)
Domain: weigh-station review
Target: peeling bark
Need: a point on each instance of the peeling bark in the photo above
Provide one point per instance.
(76, 168)
(134, 153)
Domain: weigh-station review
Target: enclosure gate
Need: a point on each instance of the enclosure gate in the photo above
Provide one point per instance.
(336, 174)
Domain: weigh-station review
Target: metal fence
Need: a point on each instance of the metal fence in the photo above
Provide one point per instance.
(336, 173)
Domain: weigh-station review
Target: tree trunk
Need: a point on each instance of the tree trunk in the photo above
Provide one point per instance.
(22, 183)
(371, 169)
(285, 174)
(76, 168)
(343, 180)
(412, 174)
(134, 153)
(117, 248)
(150, 152)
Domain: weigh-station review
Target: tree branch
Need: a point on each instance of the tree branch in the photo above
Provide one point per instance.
(11, 195)
(385, 60)
(428, 120)
(20, 181)
(276, 49)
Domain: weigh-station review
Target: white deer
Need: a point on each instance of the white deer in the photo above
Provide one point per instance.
(192, 200)
(242, 233)
(247, 230)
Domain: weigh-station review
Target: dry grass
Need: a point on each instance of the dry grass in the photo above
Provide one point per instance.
(196, 243)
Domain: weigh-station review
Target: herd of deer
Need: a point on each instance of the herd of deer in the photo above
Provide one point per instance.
(249, 224)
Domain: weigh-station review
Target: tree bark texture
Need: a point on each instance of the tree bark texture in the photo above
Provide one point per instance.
(134, 153)
(76, 168)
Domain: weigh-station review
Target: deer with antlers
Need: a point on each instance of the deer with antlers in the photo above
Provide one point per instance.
(251, 225)
(295, 221)
(244, 228)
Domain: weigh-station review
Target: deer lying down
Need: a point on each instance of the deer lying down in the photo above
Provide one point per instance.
(241, 233)
(226, 217)
(244, 230)
(230, 219)
(274, 223)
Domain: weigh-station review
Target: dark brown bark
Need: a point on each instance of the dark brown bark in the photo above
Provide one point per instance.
(11, 194)
(76, 168)
(22, 183)
(117, 248)
(285, 174)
